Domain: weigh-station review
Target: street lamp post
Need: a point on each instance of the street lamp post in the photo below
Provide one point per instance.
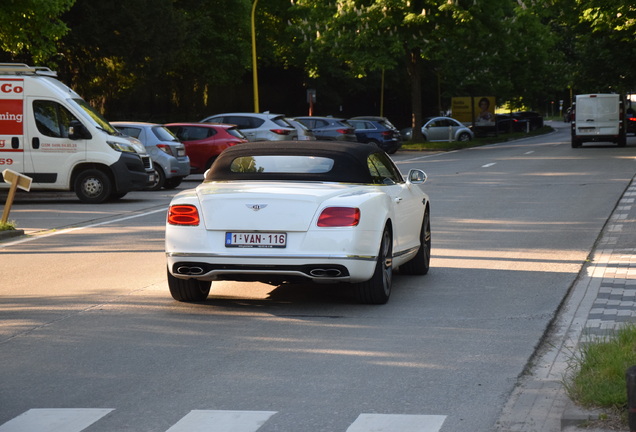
(254, 66)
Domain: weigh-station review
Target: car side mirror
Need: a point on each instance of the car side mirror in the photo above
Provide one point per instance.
(417, 176)
(77, 130)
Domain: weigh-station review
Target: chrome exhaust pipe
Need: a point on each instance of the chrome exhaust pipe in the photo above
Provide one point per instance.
(325, 272)
(187, 270)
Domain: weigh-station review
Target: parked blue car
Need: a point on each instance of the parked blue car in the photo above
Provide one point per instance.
(377, 130)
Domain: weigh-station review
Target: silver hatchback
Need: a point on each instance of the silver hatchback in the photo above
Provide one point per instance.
(171, 163)
(258, 126)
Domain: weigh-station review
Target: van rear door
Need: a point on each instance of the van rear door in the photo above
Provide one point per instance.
(598, 114)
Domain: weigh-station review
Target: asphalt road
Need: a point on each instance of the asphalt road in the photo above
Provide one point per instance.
(90, 335)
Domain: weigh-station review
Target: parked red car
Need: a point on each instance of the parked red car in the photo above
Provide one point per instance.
(205, 141)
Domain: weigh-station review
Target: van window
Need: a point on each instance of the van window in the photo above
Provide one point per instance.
(52, 119)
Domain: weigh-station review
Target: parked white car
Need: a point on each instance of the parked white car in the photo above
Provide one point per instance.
(303, 211)
(445, 129)
(258, 126)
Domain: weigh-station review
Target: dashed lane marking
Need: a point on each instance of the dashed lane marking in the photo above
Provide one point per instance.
(55, 420)
(397, 423)
(76, 420)
(222, 421)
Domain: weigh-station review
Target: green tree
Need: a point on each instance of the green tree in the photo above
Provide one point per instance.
(155, 57)
(475, 47)
(30, 29)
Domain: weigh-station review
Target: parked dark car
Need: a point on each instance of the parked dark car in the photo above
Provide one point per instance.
(534, 119)
(377, 130)
(329, 128)
(507, 123)
(630, 118)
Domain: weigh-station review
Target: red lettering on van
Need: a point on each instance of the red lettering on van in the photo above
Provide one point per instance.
(11, 88)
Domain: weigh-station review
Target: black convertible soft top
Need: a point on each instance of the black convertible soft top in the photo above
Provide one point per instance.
(350, 161)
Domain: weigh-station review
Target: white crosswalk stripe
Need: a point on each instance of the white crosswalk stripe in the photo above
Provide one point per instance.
(397, 423)
(77, 419)
(222, 421)
(54, 420)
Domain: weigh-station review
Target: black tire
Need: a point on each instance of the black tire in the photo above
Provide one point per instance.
(420, 263)
(117, 196)
(209, 163)
(576, 143)
(464, 136)
(377, 290)
(160, 180)
(188, 290)
(172, 183)
(93, 186)
(622, 140)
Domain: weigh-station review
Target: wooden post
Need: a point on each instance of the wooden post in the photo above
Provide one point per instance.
(16, 180)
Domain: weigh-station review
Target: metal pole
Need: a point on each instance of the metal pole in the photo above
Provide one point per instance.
(382, 95)
(630, 377)
(254, 66)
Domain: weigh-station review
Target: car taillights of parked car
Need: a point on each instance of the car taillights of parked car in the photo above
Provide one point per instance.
(165, 148)
(280, 131)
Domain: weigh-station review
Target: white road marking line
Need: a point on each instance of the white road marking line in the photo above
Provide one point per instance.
(489, 165)
(530, 152)
(66, 231)
(397, 423)
(54, 420)
(221, 421)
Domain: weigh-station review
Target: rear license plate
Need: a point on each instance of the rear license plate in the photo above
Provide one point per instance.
(255, 240)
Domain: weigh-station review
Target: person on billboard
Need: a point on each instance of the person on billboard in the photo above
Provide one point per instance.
(485, 117)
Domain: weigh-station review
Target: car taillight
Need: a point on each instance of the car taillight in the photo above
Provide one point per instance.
(183, 215)
(165, 148)
(339, 216)
(280, 131)
(345, 131)
(387, 133)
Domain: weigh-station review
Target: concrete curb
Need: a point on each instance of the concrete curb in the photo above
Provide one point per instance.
(10, 234)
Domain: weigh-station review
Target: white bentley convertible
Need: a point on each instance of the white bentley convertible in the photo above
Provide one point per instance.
(284, 212)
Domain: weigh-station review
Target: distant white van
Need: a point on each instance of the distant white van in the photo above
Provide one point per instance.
(49, 133)
(598, 118)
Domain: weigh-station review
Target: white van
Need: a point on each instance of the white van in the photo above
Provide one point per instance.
(49, 133)
(598, 117)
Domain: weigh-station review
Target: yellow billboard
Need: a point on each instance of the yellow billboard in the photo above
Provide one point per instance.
(478, 110)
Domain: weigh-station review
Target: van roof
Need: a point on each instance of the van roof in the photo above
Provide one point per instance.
(23, 69)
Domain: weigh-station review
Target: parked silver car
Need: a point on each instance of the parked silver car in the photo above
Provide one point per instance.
(304, 134)
(168, 155)
(445, 129)
(258, 126)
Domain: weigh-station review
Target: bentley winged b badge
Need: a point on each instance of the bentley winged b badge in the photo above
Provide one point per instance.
(256, 207)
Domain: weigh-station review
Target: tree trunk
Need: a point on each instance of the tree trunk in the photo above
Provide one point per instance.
(414, 65)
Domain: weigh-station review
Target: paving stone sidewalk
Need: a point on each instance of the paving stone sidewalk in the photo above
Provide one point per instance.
(603, 299)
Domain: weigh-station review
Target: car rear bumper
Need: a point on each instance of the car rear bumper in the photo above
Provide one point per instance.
(210, 267)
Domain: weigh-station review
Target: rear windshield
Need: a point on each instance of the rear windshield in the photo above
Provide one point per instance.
(163, 134)
(235, 133)
(280, 121)
(281, 164)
